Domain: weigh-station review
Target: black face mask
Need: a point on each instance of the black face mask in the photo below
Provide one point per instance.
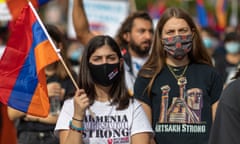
(178, 46)
(105, 74)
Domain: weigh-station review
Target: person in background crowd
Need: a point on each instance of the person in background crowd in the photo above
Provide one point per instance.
(222, 36)
(74, 53)
(38, 130)
(210, 41)
(178, 85)
(134, 38)
(226, 126)
(102, 110)
(54, 13)
(226, 64)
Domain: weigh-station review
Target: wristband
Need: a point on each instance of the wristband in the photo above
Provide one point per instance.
(80, 120)
(78, 129)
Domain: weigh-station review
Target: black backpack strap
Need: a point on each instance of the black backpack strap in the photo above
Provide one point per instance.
(127, 59)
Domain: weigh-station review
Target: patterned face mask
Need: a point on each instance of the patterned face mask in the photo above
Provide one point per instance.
(178, 46)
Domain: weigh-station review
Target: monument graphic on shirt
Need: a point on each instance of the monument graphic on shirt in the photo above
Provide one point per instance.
(185, 108)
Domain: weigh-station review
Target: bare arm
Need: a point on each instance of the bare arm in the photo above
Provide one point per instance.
(70, 136)
(54, 88)
(214, 108)
(80, 22)
(81, 102)
(148, 112)
(50, 119)
(63, 135)
(141, 138)
(14, 114)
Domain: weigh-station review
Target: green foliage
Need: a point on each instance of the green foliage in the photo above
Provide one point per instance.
(143, 4)
(188, 5)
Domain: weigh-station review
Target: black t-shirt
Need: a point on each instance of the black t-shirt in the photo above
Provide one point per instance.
(226, 127)
(188, 117)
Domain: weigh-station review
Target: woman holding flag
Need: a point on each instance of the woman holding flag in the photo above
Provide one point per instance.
(102, 111)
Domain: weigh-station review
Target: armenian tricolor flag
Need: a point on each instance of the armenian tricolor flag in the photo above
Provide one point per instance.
(22, 77)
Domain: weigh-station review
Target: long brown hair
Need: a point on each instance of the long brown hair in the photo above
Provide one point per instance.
(119, 93)
(157, 58)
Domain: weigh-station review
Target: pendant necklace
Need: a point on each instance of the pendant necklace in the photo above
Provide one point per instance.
(174, 74)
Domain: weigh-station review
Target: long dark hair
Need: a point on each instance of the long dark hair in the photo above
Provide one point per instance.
(119, 94)
(158, 55)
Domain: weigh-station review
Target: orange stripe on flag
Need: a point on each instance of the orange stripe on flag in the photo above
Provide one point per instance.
(221, 13)
(39, 105)
(45, 55)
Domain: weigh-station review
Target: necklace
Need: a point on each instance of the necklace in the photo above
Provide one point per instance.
(174, 74)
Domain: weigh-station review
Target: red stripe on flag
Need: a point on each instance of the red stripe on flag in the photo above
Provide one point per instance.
(16, 6)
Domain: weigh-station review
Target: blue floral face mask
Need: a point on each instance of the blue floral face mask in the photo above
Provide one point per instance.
(232, 47)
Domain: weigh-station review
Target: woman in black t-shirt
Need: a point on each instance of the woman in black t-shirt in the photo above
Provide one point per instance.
(178, 85)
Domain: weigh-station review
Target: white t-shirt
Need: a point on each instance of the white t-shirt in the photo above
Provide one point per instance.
(130, 78)
(109, 126)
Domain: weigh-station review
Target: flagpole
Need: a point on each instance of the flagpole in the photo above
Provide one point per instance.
(57, 51)
(53, 45)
